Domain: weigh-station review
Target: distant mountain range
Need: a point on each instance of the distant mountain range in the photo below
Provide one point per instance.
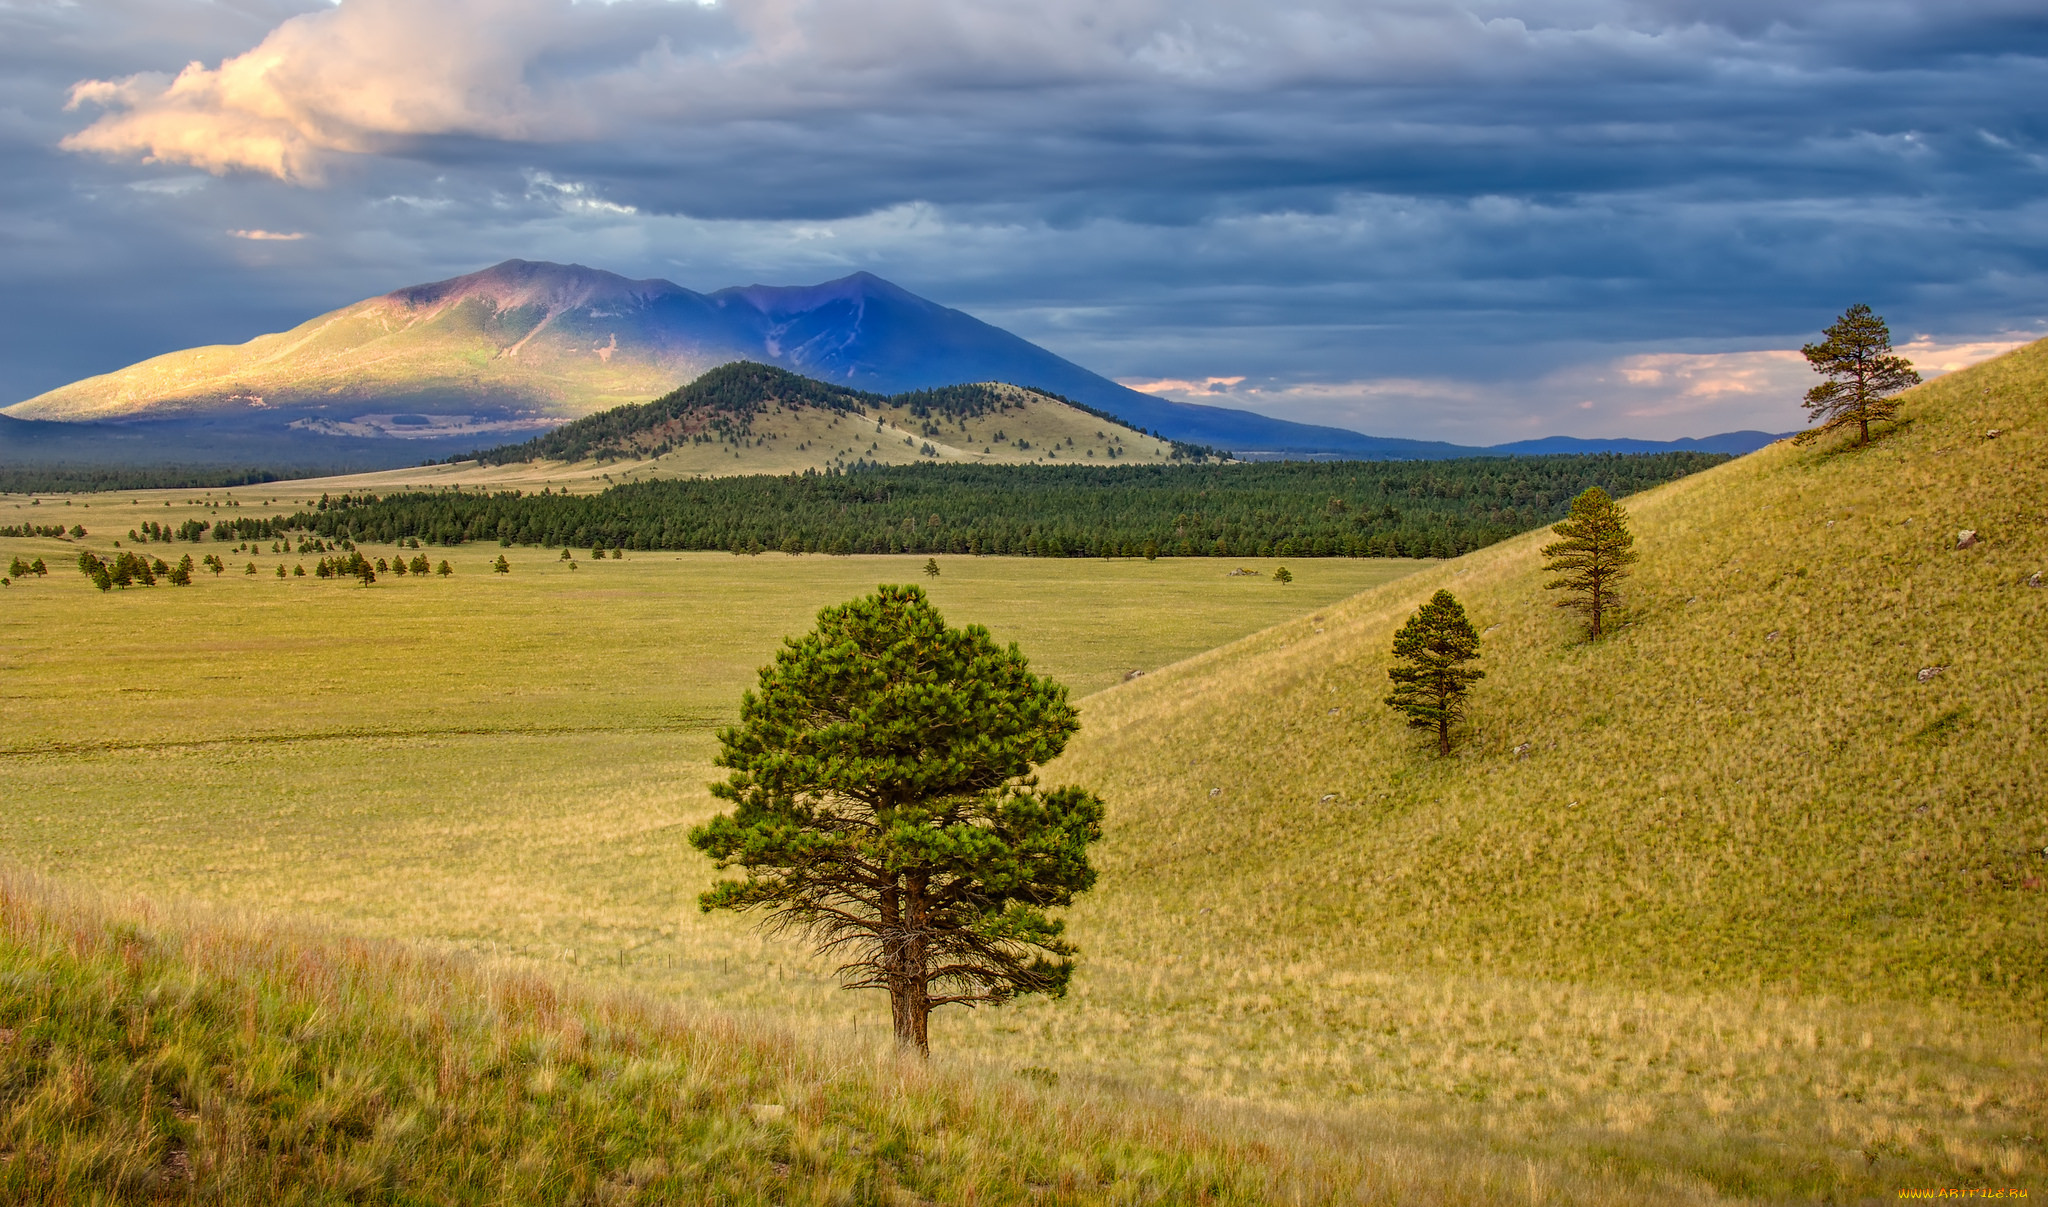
(522, 347)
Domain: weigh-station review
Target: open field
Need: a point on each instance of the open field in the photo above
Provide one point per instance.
(1737, 903)
(505, 762)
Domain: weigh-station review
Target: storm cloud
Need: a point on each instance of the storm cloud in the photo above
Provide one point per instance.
(1468, 221)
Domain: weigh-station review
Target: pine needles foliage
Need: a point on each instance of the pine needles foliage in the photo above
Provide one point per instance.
(885, 807)
(1863, 374)
(1431, 681)
(1593, 557)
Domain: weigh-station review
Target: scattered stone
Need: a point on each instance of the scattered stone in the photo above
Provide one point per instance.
(1215, 792)
(1771, 636)
(2035, 581)
(1130, 675)
(1573, 805)
(1966, 538)
(1327, 798)
(1522, 751)
(1335, 711)
(1994, 433)
(1929, 672)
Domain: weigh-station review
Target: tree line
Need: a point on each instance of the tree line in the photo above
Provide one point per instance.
(1275, 509)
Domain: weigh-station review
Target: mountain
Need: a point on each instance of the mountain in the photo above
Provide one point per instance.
(523, 346)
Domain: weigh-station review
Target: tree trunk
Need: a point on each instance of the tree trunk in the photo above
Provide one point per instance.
(909, 984)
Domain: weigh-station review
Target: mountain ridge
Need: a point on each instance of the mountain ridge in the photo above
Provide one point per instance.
(529, 344)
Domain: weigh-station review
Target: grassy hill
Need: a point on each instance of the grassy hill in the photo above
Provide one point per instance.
(1753, 887)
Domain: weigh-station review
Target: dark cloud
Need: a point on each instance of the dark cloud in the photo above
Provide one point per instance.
(1486, 202)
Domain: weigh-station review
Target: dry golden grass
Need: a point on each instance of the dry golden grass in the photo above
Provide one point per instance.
(167, 1056)
(1733, 891)
(1730, 904)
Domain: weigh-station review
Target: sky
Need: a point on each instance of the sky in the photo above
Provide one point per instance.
(1471, 221)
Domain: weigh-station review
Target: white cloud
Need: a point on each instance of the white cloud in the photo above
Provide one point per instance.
(264, 236)
(1652, 395)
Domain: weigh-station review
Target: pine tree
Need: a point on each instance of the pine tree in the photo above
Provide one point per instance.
(445, 569)
(1282, 575)
(885, 806)
(1431, 682)
(1593, 557)
(501, 565)
(1862, 375)
(931, 567)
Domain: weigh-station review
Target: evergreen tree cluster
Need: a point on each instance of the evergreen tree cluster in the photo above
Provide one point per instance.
(21, 569)
(57, 478)
(126, 569)
(49, 531)
(1283, 509)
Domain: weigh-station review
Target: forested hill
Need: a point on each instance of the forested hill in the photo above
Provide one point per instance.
(721, 407)
(1288, 509)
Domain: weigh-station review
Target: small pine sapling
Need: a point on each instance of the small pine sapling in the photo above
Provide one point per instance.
(1282, 575)
(1593, 557)
(1431, 680)
(931, 567)
(501, 565)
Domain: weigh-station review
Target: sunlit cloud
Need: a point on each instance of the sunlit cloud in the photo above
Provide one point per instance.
(1652, 395)
(264, 236)
(1171, 386)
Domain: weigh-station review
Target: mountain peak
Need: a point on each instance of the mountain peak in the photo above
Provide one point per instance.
(516, 283)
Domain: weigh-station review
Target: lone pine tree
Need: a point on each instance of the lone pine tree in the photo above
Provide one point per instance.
(1855, 355)
(1431, 681)
(1593, 557)
(884, 807)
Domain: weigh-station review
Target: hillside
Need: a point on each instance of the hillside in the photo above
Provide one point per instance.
(1788, 818)
(714, 423)
(166, 1059)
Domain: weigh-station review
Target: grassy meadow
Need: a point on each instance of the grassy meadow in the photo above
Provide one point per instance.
(1741, 903)
(151, 1055)
(503, 762)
